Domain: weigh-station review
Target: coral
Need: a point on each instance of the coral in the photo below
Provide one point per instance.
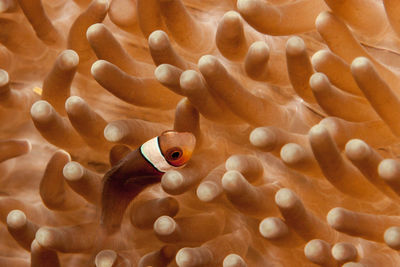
(295, 105)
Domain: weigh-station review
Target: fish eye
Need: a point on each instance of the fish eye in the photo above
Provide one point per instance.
(174, 153)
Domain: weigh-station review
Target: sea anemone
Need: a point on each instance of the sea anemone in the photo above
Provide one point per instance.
(295, 105)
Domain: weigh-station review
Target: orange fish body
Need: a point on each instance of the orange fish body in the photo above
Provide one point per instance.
(139, 169)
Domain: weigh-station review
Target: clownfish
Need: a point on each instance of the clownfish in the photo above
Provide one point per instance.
(140, 168)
